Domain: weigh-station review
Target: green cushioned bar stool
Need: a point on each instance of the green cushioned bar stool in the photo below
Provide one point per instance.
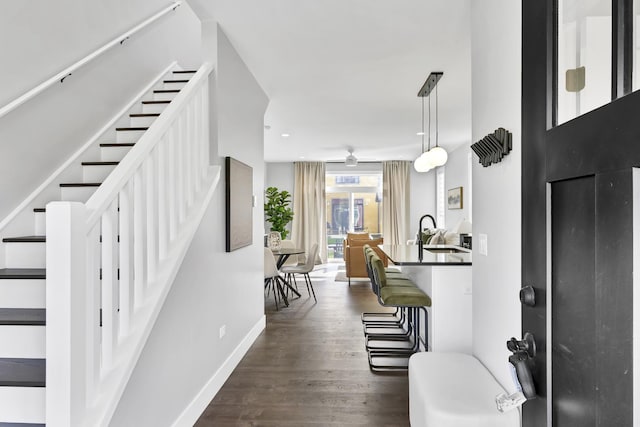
(384, 323)
(378, 331)
(396, 293)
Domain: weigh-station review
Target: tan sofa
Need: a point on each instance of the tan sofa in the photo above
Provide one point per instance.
(354, 254)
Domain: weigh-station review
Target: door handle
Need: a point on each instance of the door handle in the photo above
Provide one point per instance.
(523, 351)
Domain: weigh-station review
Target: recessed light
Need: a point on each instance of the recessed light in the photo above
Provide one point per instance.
(302, 157)
(420, 133)
(285, 135)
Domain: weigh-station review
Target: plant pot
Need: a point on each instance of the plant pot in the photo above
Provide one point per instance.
(275, 241)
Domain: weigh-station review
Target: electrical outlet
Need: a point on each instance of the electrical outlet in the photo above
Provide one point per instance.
(484, 245)
(223, 331)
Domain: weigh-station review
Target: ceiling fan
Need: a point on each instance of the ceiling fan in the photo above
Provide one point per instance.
(351, 160)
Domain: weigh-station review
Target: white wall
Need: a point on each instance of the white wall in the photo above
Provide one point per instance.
(213, 288)
(40, 39)
(496, 82)
(280, 175)
(456, 174)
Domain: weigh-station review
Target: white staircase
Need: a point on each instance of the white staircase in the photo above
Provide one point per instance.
(23, 346)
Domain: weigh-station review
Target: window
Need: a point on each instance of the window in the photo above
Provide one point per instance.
(584, 57)
(440, 198)
(353, 204)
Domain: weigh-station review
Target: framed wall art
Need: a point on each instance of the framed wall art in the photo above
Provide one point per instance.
(454, 198)
(239, 204)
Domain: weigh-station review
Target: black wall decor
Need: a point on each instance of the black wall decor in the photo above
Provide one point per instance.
(493, 147)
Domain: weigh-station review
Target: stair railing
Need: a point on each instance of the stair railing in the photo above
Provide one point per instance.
(61, 76)
(111, 261)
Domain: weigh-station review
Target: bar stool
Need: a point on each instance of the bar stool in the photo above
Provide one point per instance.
(372, 322)
(403, 294)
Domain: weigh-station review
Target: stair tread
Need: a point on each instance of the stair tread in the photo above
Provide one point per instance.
(166, 91)
(22, 273)
(22, 372)
(132, 128)
(25, 239)
(117, 144)
(23, 316)
(144, 115)
(80, 184)
(21, 425)
(39, 209)
(185, 71)
(175, 81)
(156, 102)
(99, 163)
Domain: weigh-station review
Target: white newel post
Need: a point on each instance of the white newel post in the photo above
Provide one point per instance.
(67, 323)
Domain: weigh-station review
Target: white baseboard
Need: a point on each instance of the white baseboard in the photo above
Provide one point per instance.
(192, 412)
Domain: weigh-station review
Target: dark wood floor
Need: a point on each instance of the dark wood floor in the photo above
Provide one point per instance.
(309, 367)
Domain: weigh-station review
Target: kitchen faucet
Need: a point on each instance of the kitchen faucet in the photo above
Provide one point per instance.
(420, 248)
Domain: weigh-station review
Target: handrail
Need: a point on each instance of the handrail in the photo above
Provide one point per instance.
(62, 75)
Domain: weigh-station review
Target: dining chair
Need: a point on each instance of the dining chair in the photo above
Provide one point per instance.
(293, 259)
(272, 277)
(304, 269)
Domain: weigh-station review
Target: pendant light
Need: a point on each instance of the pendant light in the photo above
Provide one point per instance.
(436, 156)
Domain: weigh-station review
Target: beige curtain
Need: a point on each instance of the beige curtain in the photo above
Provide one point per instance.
(309, 223)
(395, 201)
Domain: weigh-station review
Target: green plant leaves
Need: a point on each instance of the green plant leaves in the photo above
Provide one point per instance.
(277, 211)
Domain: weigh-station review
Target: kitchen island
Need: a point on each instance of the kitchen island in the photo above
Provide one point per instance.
(444, 273)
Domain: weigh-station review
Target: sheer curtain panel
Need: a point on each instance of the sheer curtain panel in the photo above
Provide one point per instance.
(309, 223)
(395, 201)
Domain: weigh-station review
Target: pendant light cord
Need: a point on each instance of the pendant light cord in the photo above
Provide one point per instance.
(436, 116)
(429, 122)
(422, 125)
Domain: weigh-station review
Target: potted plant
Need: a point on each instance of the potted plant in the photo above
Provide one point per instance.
(277, 210)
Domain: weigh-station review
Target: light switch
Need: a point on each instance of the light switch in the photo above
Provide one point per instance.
(483, 249)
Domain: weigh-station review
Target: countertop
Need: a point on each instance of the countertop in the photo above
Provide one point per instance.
(408, 255)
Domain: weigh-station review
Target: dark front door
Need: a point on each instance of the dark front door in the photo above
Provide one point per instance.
(577, 232)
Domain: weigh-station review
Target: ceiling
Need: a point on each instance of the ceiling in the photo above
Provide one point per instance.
(346, 73)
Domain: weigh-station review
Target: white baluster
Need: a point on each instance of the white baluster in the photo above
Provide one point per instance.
(139, 237)
(197, 145)
(171, 184)
(163, 214)
(180, 195)
(126, 258)
(152, 216)
(109, 286)
(205, 128)
(188, 146)
(93, 307)
(193, 170)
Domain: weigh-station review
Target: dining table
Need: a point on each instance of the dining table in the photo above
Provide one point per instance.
(282, 255)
